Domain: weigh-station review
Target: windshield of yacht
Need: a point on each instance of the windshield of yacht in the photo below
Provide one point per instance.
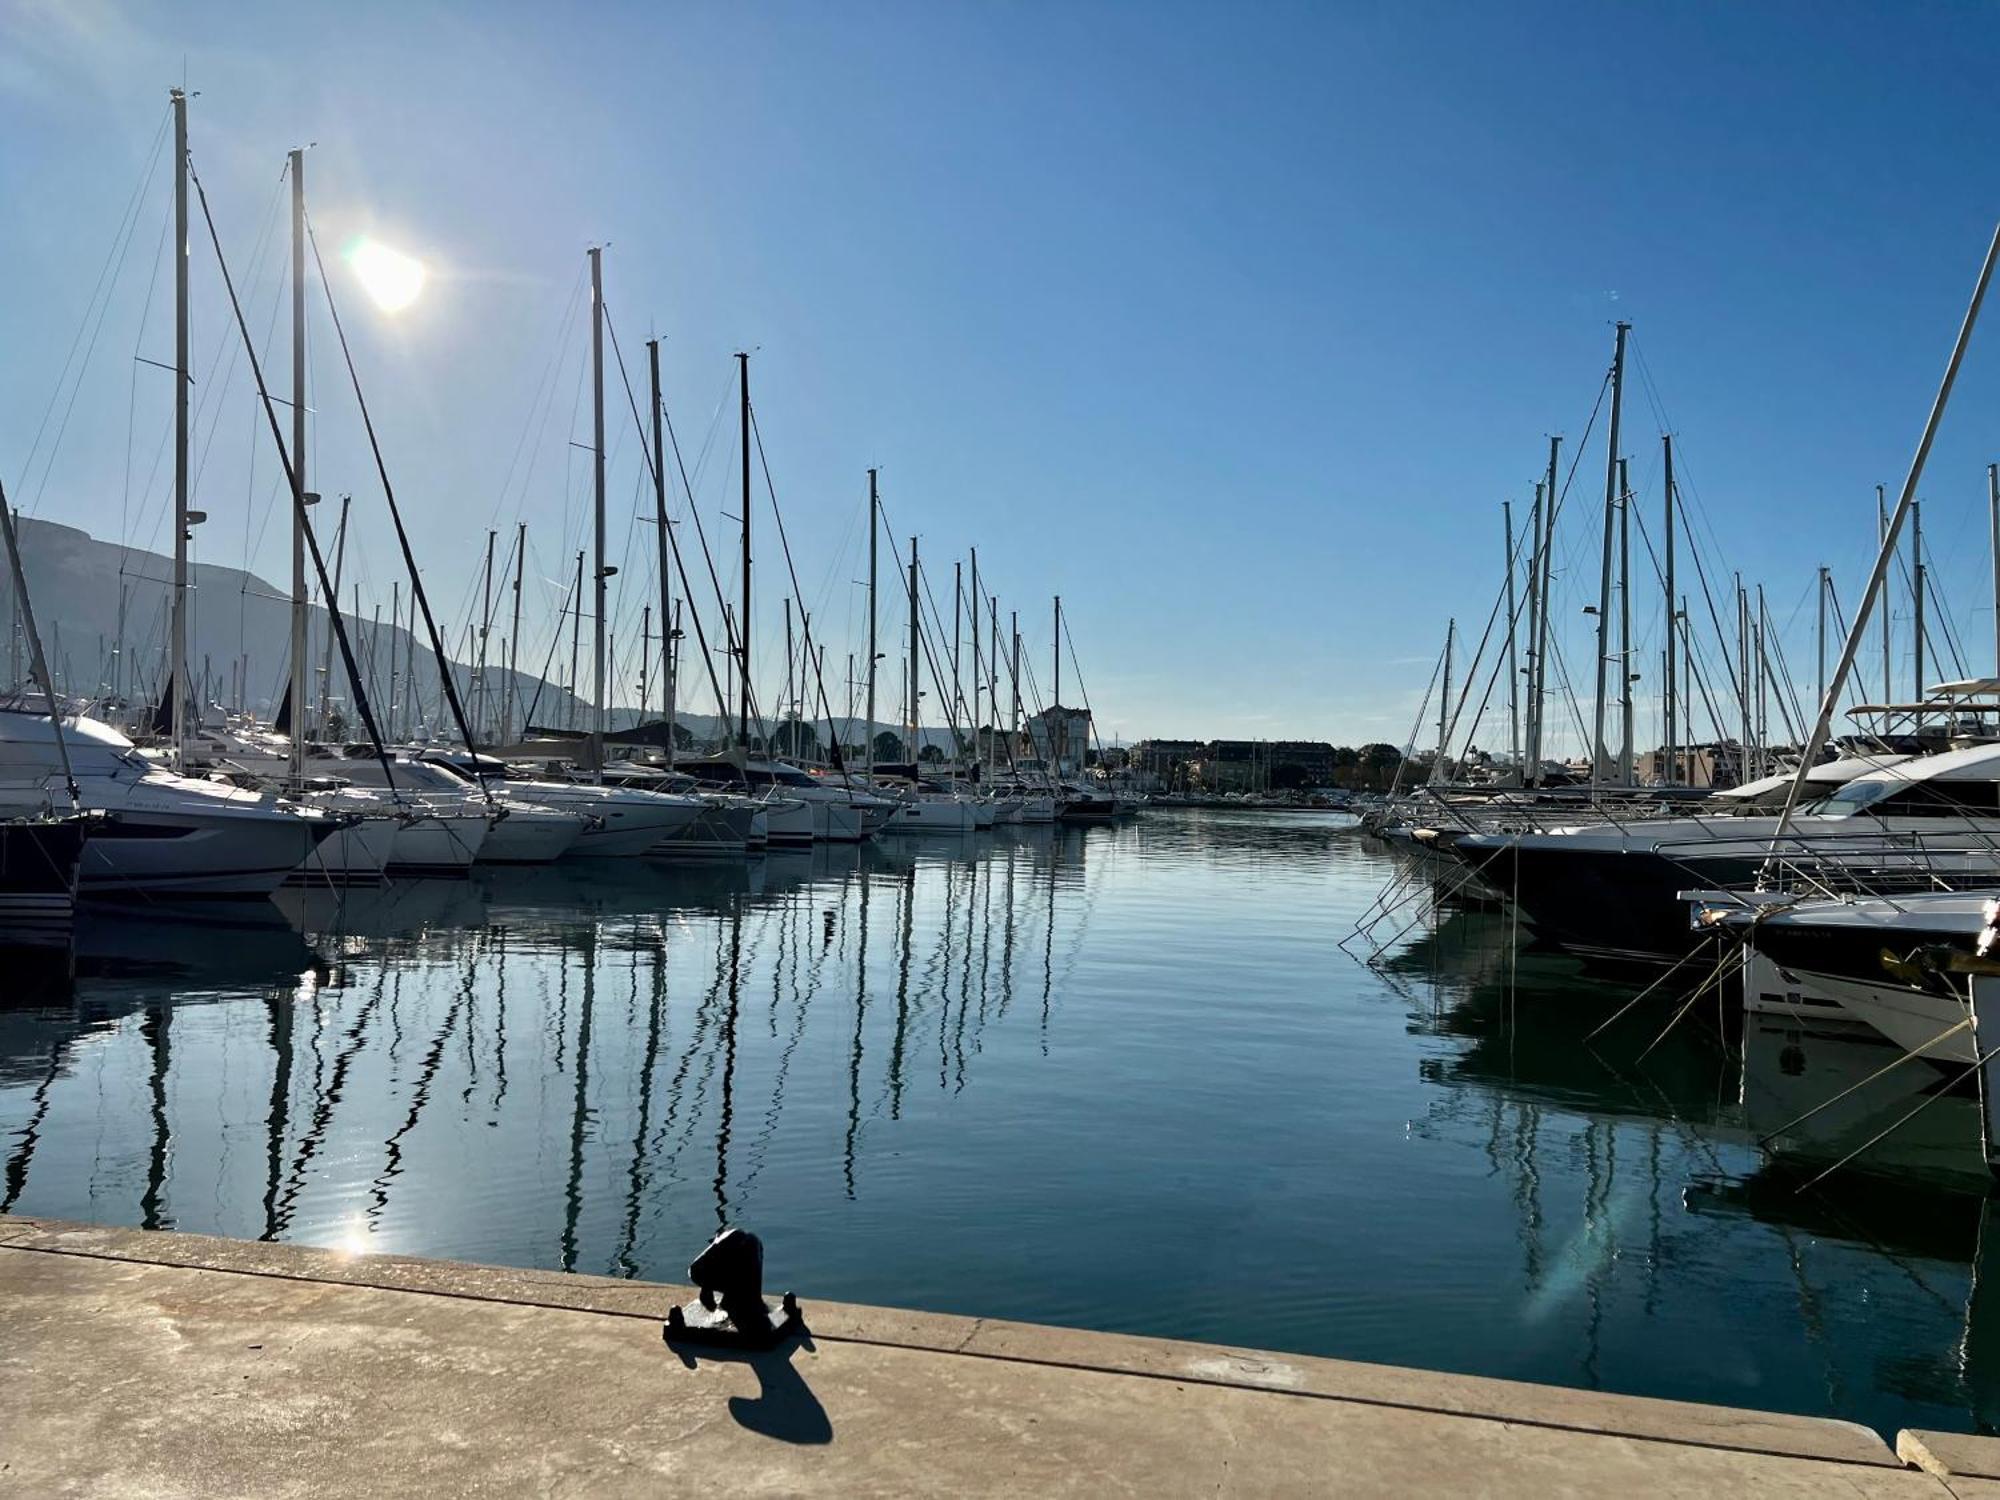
(1856, 796)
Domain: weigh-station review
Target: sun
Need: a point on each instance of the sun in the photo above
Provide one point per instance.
(390, 277)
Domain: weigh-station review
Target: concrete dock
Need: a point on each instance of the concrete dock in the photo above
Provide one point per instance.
(161, 1364)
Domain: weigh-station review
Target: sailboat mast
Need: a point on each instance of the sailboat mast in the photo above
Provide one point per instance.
(1825, 584)
(1670, 723)
(992, 676)
(332, 609)
(1444, 702)
(1993, 502)
(1014, 717)
(177, 667)
(977, 671)
(1743, 675)
(743, 679)
(297, 691)
(1513, 656)
(575, 637)
(1525, 758)
(1540, 750)
(1055, 706)
(874, 539)
(916, 647)
(395, 624)
(514, 640)
(665, 542)
(1687, 676)
(597, 492)
(485, 635)
(1598, 755)
(645, 660)
(1881, 539)
(1917, 600)
(1763, 686)
(1625, 673)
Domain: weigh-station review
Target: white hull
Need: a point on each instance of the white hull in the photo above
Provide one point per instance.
(624, 824)
(440, 844)
(931, 815)
(789, 821)
(143, 853)
(837, 822)
(723, 827)
(165, 834)
(356, 854)
(1915, 1020)
(530, 835)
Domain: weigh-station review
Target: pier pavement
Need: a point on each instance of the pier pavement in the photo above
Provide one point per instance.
(164, 1364)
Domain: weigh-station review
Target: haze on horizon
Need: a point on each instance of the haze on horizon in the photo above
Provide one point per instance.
(1233, 326)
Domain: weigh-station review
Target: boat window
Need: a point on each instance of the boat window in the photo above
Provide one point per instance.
(1950, 797)
(1894, 798)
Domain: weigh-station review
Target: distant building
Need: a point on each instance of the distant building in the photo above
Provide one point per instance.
(1164, 763)
(1715, 764)
(1060, 737)
(1261, 765)
(1311, 759)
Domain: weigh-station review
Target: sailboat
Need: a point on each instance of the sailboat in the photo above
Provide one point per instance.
(164, 832)
(624, 822)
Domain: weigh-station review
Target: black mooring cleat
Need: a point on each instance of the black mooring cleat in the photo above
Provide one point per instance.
(731, 1312)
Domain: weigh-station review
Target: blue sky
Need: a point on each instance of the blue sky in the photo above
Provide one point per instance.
(1232, 324)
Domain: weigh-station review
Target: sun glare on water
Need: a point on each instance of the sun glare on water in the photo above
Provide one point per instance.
(392, 278)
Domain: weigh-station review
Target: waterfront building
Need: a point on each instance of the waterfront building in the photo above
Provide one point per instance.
(1061, 737)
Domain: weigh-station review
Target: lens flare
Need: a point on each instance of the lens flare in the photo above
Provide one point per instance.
(390, 277)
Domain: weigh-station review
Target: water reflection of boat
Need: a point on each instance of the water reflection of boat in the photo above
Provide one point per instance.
(248, 942)
(398, 909)
(38, 974)
(569, 891)
(1818, 1093)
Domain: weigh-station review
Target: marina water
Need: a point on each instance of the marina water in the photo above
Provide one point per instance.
(1120, 1077)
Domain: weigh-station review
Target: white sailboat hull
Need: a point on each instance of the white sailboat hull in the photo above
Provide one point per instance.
(622, 824)
(931, 815)
(790, 821)
(530, 835)
(443, 844)
(1038, 810)
(355, 854)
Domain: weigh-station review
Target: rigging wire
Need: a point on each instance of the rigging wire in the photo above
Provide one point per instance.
(107, 277)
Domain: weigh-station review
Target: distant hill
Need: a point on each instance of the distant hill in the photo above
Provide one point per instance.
(240, 630)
